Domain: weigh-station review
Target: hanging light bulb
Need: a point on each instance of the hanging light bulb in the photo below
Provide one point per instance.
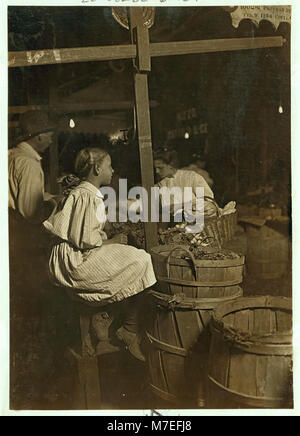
(72, 123)
(280, 109)
(186, 135)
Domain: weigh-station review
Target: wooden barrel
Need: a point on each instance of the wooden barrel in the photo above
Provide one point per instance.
(267, 252)
(250, 357)
(178, 345)
(193, 277)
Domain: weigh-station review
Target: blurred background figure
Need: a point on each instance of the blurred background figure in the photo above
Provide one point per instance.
(169, 176)
(198, 163)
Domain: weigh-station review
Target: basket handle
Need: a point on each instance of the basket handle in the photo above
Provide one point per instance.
(190, 255)
(212, 200)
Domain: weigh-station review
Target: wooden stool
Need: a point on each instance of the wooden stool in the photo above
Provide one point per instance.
(89, 390)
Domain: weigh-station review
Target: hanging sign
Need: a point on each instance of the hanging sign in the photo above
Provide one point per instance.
(189, 125)
(187, 114)
(188, 131)
(274, 14)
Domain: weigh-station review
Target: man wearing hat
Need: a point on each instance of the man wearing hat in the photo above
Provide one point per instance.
(26, 177)
(27, 205)
(29, 282)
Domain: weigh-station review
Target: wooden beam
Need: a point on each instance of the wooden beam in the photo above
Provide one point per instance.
(22, 109)
(213, 45)
(87, 54)
(142, 62)
(78, 107)
(140, 37)
(145, 147)
(13, 124)
(69, 55)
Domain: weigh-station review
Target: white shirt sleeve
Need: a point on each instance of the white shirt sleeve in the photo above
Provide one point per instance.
(200, 182)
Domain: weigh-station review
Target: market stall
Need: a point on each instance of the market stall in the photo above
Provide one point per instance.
(213, 83)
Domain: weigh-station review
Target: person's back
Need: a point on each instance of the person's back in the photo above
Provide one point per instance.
(187, 178)
(198, 163)
(190, 179)
(26, 181)
(201, 172)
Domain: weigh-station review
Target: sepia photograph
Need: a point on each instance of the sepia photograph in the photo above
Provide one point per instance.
(149, 178)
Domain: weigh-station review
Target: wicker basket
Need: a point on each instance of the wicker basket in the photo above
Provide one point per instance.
(221, 227)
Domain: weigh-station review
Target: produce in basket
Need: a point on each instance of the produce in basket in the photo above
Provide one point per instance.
(216, 231)
(133, 231)
(205, 254)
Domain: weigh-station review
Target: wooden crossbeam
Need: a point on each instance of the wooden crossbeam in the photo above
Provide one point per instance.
(69, 55)
(22, 109)
(78, 107)
(13, 124)
(106, 53)
(213, 45)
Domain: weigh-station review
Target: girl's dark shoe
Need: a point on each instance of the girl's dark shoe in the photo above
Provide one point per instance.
(132, 343)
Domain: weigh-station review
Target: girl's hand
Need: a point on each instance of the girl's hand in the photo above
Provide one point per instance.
(119, 239)
(137, 205)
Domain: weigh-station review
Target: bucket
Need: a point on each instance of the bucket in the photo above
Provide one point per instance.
(192, 277)
(250, 356)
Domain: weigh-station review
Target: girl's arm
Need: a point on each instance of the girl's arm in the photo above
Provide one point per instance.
(117, 239)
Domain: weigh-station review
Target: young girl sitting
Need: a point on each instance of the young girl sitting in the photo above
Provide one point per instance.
(97, 269)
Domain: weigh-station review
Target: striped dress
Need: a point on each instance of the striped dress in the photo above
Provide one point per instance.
(95, 272)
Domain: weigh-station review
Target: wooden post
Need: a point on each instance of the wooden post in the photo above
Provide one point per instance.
(237, 169)
(143, 65)
(53, 153)
(88, 365)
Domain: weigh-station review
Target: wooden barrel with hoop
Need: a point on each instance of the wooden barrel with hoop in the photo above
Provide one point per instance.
(250, 357)
(196, 278)
(178, 344)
